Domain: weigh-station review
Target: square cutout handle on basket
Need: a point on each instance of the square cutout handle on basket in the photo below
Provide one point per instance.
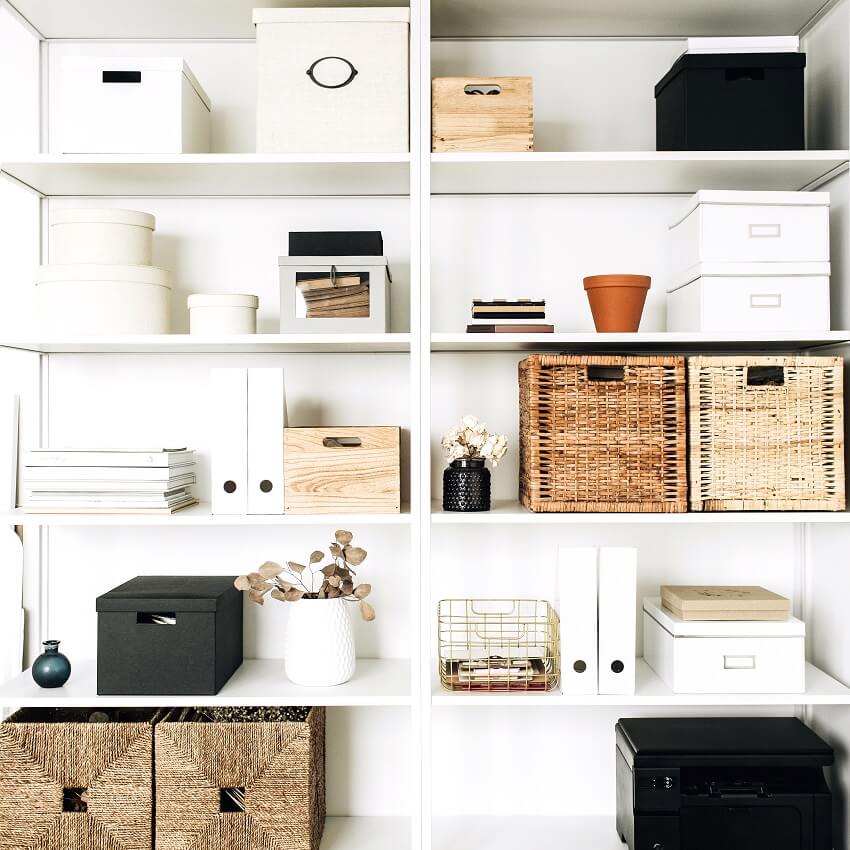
(765, 376)
(232, 800)
(75, 800)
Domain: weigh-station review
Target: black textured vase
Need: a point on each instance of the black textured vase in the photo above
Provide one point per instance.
(466, 485)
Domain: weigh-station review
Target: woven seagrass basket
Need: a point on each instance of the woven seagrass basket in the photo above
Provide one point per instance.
(766, 433)
(276, 770)
(602, 433)
(69, 784)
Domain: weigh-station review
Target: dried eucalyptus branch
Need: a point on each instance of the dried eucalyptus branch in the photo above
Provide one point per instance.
(287, 584)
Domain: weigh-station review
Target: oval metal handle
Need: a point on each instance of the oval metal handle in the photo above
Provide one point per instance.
(311, 73)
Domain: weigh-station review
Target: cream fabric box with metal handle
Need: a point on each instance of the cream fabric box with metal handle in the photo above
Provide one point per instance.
(719, 657)
(133, 105)
(332, 80)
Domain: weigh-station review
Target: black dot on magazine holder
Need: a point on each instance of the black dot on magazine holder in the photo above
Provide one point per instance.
(618, 666)
(229, 486)
(580, 666)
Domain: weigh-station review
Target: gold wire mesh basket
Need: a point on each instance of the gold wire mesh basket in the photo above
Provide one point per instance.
(498, 645)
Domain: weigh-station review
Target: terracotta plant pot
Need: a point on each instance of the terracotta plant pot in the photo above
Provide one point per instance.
(616, 301)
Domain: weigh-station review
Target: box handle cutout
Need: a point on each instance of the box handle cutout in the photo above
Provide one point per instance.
(156, 618)
(606, 373)
(229, 486)
(765, 376)
(768, 300)
(580, 666)
(75, 800)
(342, 442)
(122, 77)
(232, 800)
(739, 662)
(765, 231)
(266, 486)
(332, 72)
(617, 666)
(750, 75)
(482, 89)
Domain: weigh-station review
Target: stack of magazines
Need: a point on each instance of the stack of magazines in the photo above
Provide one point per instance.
(504, 316)
(133, 481)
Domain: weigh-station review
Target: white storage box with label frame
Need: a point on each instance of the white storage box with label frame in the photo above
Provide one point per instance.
(91, 299)
(334, 294)
(133, 105)
(222, 313)
(724, 657)
(106, 237)
(332, 80)
(760, 297)
(749, 227)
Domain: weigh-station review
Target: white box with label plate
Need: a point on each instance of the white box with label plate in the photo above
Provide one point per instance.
(757, 297)
(749, 227)
(718, 657)
(132, 105)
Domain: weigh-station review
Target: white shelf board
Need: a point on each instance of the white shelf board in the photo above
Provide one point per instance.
(628, 172)
(217, 174)
(505, 18)
(655, 341)
(200, 515)
(157, 19)
(532, 831)
(376, 682)
(650, 690)
(366, 833)
(512, 513)
(197, 344)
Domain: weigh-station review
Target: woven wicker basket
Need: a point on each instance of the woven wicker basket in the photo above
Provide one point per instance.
(50, 759)
(280, 768)
(766, 433)
(602, 433)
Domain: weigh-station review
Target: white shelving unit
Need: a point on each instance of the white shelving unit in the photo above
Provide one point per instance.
(452, 770)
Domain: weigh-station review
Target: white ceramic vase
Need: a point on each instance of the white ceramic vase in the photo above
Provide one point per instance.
(319, 643)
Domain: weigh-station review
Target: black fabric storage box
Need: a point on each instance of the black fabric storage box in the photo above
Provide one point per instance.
(732, 101)
(336, 243)
(196, 654)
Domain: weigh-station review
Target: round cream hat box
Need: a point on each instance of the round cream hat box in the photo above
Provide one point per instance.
(217, 314)
(91, 299)
(105, 237)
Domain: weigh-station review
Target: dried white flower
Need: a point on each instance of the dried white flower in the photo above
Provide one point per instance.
(472, 439)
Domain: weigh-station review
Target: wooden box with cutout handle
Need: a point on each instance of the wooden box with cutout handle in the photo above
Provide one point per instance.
(482, 114)
(342, 470)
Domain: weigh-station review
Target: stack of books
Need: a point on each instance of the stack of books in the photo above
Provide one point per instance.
(503, 316)
(141, 481)
(343, 297)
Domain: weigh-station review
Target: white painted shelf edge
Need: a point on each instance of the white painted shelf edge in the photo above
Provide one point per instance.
(512, 513)
(655, 340)
(650, 690)
(237, 344)
(377, 681)
(534, 831)
(200, 515)
(366, 833)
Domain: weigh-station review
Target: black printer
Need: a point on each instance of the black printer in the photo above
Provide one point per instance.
(731, 783)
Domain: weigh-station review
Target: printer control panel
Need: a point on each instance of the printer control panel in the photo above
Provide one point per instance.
(657, 790)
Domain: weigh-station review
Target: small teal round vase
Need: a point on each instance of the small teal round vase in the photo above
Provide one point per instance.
(51, 669)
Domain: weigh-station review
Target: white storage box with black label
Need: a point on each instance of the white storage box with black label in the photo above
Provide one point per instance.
(334, 294)
(139, 105)
(750, 227)
(92, 299)
(761, 297)
(332, 80)
(720, 657)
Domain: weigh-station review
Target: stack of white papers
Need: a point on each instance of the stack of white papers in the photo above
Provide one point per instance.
(150, 481)
(748, 44)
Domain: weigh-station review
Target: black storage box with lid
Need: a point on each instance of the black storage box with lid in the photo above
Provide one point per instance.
(722, 783)
(732, 101)
(168, 635)
(336, 243)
